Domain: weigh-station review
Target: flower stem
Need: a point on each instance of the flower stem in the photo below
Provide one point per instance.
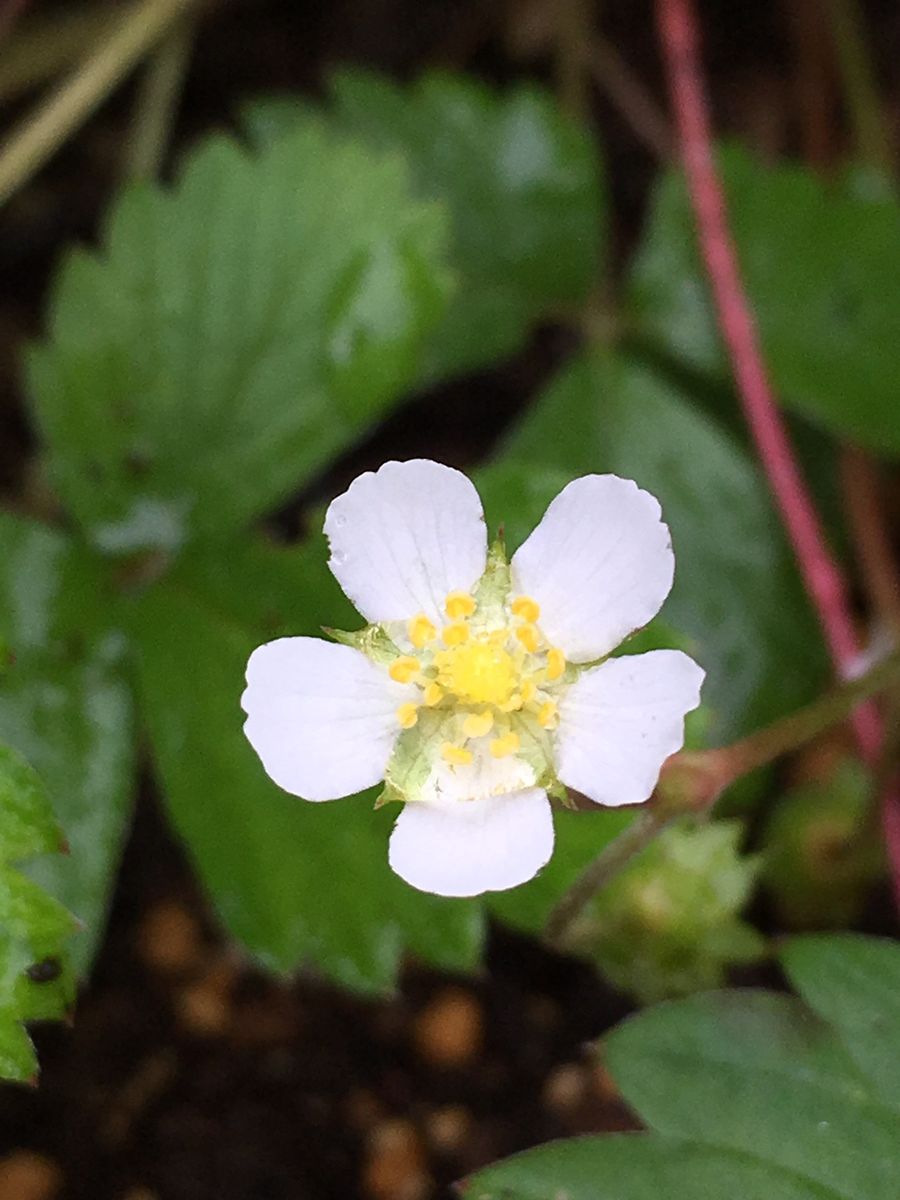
(644, 829)
(860, 88)
(679, 34)
(692, 781)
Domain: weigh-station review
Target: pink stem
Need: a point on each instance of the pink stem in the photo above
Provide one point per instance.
(824, 583)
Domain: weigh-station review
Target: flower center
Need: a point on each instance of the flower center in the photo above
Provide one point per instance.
(480, 672)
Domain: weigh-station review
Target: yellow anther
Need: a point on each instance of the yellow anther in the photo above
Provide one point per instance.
(432, 695)
(455, 634)
(526, 608)
(556, 663)
(407, 715)
(513, 704)
(529, 637)
(502, 747)
(528, 690)
(476, 725)
(421, 631)
(459, 605)
(548, 716)
(403, 669)
(455, 754)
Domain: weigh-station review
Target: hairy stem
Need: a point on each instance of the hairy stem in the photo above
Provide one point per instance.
(618, 854)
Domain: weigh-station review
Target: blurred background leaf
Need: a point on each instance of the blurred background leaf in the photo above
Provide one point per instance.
(66, 707)
(522, 184)
(746, 1093)
(820, 264)
(249, 324)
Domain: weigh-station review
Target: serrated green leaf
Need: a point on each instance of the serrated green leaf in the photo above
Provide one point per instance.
(520, 179)
(746, 1094)
(297, 883)
(820, 264)
(34, 927)
(65, 707)
(736, 595)
(234, 334)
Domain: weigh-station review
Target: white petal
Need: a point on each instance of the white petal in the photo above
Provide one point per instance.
(464, 848)
(599, 564)
(484, 776)
(322, 717)
(405, 536)
(620, 721)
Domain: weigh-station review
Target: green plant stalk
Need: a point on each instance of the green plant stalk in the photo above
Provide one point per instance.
(692, 781)
(73, 101)
(157, 101)
(860, 88)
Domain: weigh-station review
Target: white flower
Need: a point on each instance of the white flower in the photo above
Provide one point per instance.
(479, 685)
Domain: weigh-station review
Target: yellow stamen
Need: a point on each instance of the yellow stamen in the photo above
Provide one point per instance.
(421, 631)
(407, 715)
(432, 695)
(528, 690)
(513, 704)
(556, 663)
(526, 608)
(476, 725)
(455, 634)
(529, 637)
(403, 669)
(458, 605)
(548, 717)
(502, 747)
(455, 754)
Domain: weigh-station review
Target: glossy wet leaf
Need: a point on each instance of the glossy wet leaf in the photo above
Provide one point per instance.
(745, 1094)
(296, 883)
(65, 706)
(820, 263)
(234, 334)
(521, 182)
(35, 979)
(736, 597)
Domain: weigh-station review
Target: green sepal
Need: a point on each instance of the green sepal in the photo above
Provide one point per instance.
(373, 641)
(492, 589)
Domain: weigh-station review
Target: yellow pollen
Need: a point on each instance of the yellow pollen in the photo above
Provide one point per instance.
(513, 704)
(548, 717)
(480, 672)
(528, 690)
(421, 631)
(407, 715)
(455, 634)
(455, 754)
(432, 695)
(529, 637)
(526, 608)
(502, 747)
(459, 604)
(403, 669)
(556, 663)
(476, 725)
